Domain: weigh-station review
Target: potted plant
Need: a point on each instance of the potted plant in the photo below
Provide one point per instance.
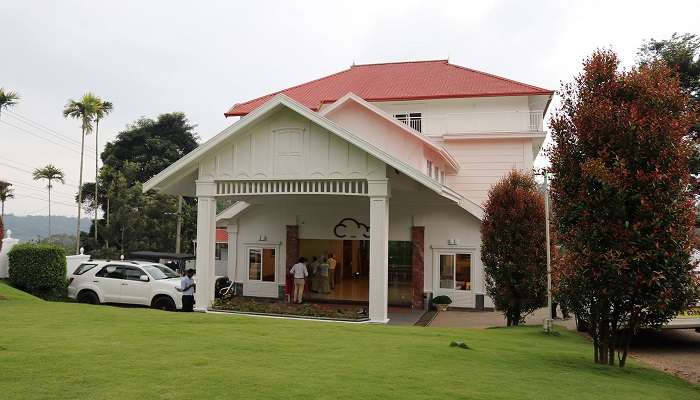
(442, 302)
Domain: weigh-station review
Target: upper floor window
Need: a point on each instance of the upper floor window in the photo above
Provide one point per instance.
(430, 168)
(411, 119)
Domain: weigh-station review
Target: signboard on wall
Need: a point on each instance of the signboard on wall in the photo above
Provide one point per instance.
(351, 229)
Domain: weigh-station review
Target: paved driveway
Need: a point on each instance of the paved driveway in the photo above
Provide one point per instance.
(676, 351)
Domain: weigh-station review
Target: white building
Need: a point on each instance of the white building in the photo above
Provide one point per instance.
(384, 165)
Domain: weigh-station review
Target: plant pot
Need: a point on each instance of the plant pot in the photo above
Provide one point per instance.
(442, 307)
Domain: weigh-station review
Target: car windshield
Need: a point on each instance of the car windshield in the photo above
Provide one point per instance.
(159, 271)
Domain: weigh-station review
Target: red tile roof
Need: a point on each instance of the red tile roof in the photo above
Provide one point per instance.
(413, 80)
(221, 235)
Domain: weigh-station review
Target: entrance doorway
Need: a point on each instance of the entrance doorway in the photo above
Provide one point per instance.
(352, 271)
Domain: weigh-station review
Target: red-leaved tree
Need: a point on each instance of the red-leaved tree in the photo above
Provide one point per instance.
(513, 247)
(622, 200)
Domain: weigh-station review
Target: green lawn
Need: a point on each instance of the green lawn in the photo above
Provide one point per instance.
(76, 351)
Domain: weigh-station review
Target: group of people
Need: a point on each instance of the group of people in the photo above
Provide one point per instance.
(321, 273)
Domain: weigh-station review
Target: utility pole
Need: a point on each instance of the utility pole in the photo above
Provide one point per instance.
(179, 224)
(548, 320)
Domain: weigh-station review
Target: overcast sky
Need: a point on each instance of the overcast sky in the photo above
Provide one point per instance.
(201, 57)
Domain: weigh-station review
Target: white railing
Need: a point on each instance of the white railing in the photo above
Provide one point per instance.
(345, 187)
(482, 122)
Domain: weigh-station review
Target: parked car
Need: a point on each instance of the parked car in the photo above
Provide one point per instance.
(126, 282)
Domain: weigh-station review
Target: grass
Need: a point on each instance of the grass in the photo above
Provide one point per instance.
(77, 351)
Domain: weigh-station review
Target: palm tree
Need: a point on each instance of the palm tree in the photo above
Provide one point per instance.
(83, 110)
(7, 99)
(50, 173)
(103, 108)
(5, 193)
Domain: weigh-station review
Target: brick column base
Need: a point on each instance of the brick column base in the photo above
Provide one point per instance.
(417, 265)
(292, 256)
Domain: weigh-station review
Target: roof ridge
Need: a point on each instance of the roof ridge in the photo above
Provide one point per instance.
(400, 62)
(273, 94)
(498, 77)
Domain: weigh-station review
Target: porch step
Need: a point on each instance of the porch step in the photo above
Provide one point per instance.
(426, 318)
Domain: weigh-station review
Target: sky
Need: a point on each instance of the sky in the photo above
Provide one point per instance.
(201, 57)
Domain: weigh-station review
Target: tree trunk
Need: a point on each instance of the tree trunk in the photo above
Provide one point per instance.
(97, 130)
(80, 193)
(107, 222)
(49, 210)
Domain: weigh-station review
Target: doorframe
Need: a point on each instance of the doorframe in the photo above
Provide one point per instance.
(452, 293)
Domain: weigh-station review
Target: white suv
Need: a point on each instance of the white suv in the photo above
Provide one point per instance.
(126, 282)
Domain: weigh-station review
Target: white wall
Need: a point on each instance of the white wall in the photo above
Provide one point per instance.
(484, 162)
(286, 145)
(468, 115)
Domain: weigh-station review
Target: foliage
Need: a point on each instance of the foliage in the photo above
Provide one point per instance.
(307, 359)
(513, 247)
(39, 269)
(151, 145)
(8, 99)
(6, 192)
(274, 306)
(50, 173)
(83, 110)
(442, 299)
(682, 54)
(623, 206)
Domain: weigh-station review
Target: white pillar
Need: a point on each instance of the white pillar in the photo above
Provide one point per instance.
(206, 240)
(231, 270)
(7, 244)
(378, 250)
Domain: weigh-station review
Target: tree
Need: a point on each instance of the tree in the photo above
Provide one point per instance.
(50, 173)
(152, 144)
(622, 199)
(136, 220)
(682, 54)
(101, 111)
(83, 110)
(8, 99)
(513, 248)
(6, 192)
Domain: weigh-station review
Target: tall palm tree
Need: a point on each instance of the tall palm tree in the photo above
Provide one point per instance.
(50, 173)
(103, 108)
(83, 110)
(8, 99)
(6, 192)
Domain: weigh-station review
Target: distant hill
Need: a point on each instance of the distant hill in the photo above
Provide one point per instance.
(29, 227)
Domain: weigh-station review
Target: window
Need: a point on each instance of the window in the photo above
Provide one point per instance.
(110, 271)
(261, 264)
(442, 176)
(83, 268)
(132, 273)
(414, 120)
(437, 174)
(455, 271)
(430, 168)
(159, 271)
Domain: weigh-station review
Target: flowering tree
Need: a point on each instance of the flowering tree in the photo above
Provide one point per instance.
(513, 247)
(622, 200)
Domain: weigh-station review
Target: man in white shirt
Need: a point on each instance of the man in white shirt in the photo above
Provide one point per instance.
(299, 272)
(187, 287)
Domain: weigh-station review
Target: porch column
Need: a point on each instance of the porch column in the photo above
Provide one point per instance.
(417, 265)
(378, 249)
(232, 231)
(206, 240)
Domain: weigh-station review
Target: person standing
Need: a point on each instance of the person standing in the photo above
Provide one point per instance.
(323, 286)
(299, 272)
(187, 287)
(314, 273)
(331, 269)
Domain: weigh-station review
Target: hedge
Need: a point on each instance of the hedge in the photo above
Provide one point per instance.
(39, 269)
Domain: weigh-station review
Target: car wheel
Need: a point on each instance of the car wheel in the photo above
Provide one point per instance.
(88, 297)
(164, 303)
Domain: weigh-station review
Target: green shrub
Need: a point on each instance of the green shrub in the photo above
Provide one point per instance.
(442, 300)
(39, 269)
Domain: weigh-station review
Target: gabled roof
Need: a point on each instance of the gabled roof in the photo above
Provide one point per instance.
(183, 168)
(352, 97)
(415, 80)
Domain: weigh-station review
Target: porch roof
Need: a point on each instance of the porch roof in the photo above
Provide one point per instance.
(179, 177)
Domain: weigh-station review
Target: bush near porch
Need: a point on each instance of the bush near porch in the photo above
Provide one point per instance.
(277, 307)
(79, 351)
